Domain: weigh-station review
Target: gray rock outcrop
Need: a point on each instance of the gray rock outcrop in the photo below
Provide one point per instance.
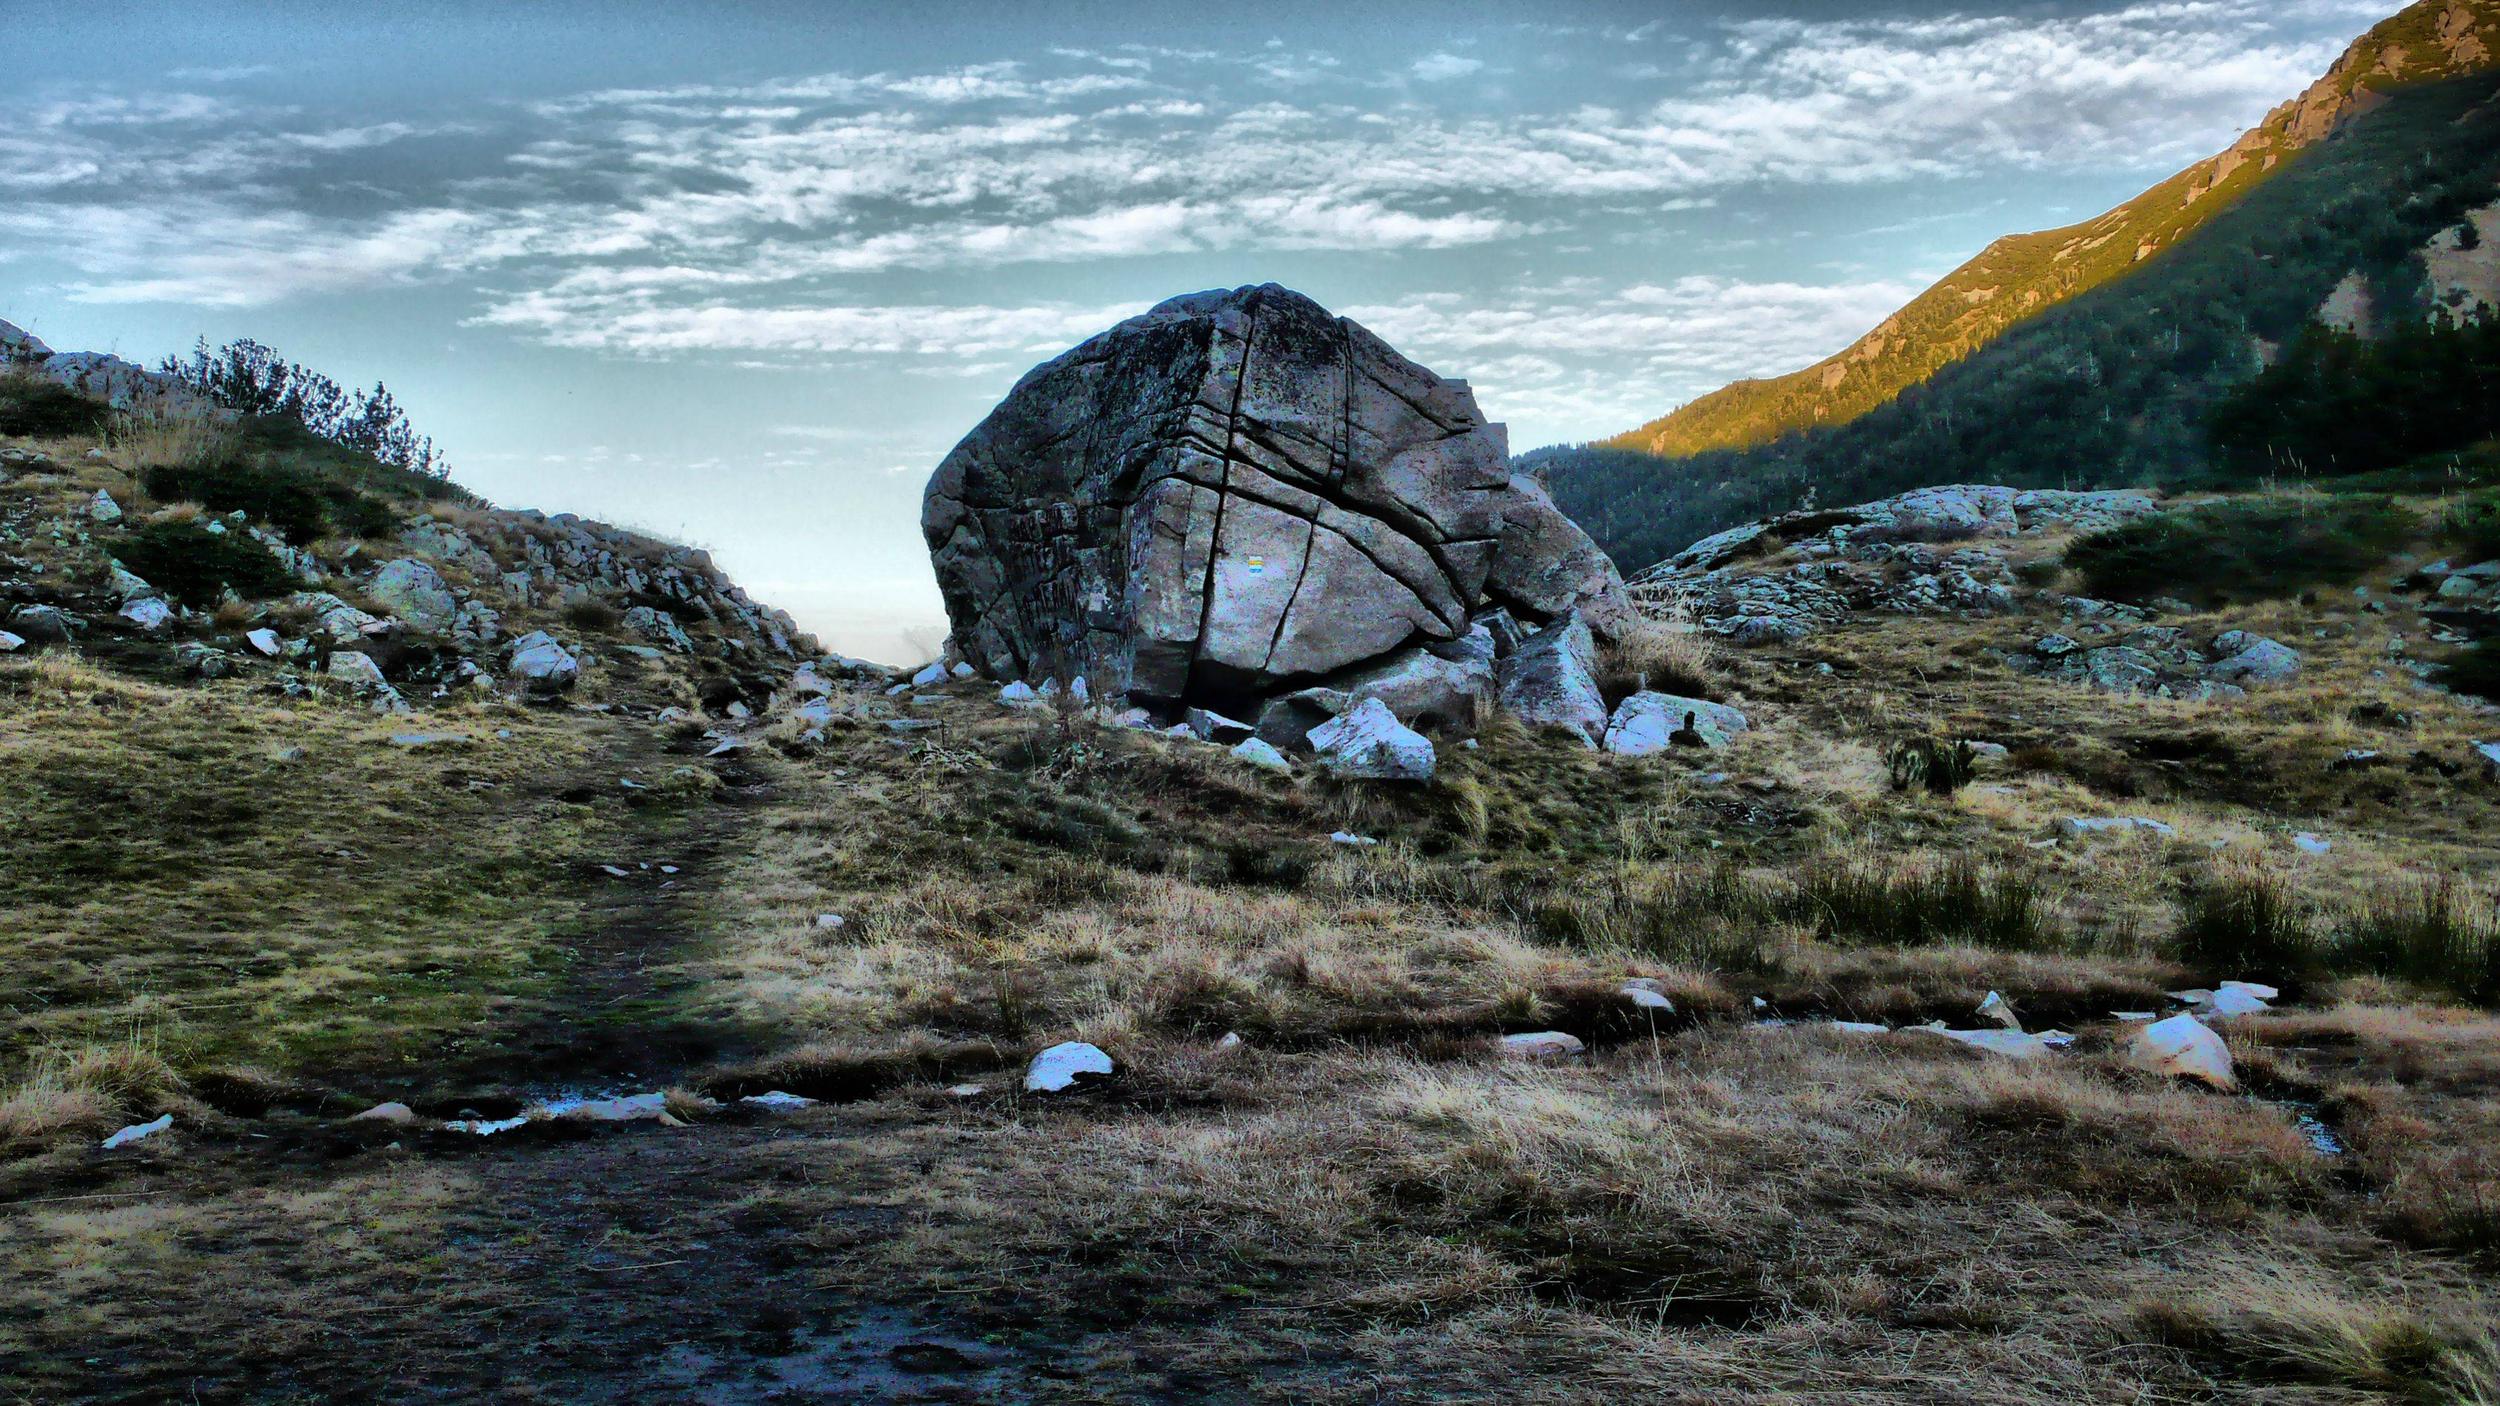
(1236, 496)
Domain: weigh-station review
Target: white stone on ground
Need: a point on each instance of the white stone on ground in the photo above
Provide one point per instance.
(138, 1131)
(1259, 753)
(2183, 1046)
(1368, 742)
(1543, 1044)
(1060, 1066)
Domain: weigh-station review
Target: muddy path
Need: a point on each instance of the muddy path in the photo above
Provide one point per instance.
(632, 914)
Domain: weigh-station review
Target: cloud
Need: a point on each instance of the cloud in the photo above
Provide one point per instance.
(918, 330)
(1443, 67)
(208, 256)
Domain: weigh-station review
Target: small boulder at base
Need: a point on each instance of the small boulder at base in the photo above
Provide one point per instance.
(2182, 1046)
(2077, 827)
(9, 643)
(386, 1113)
(542, 665)
(1369, 743)
(148, 613)
(1543, 1045)
(416, 593)
(1653, 722)
(103, 509)
(2251, 658)
(1550, 680)
(1262, 755)
(356, 669)
(1062, 1065)
(265, 641)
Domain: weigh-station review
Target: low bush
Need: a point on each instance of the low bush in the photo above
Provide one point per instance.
(2244, 922)
(2250, 549)
(1959, 901)
(301, 502)
(2433, 933)
(31, 405)
(2475, 669)
(196, 567)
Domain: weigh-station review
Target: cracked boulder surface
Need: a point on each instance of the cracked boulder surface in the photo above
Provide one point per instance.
(1234, 495)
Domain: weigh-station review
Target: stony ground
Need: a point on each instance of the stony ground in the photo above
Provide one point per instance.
(1360, 1199)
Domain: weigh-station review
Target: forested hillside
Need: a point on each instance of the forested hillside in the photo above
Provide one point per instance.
(2021, 275)
(2119, 385)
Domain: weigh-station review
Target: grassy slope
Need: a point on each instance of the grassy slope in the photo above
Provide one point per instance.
(2020, 276)
(1363, 1203)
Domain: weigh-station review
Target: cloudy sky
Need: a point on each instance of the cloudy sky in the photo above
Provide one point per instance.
(742, 273)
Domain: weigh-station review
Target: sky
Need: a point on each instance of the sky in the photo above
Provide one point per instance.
(741, 274)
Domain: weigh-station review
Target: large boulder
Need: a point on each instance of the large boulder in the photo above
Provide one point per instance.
(1550, 680)
(542, 665)
(1235, 496)
(416, 593)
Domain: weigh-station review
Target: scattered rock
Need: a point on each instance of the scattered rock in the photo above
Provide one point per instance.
(138, 1131)
(265, 641)
(9, 643)
(44, 624)
(2489, 754)
(2308, 843)
(2183, 1046)
(103, 509)
(1653, 722)
(542, 665)
(2249, 658)
(1350, 839)
(1261, 754)
(356, 669)
(829, 922)
(1997, 1012)
(934, 672)
(1212, 726)
(149, 614)
(1646, 993)
(1369, 743)
(1550, 680)
(775, 1101)
(414, 740)
(386, 1113)
(1543, 1045)
(2011, 1043)
(415, 592)
(1019, 694)
(2077, 827)
(1063, 1065)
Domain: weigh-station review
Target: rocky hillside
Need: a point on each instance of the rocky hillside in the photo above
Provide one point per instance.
(2378, 231)
(170, 538)
(2021, 275)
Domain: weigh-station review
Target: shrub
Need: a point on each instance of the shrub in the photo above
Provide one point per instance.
(591, 615)
(1663, 654)
(2471, 524)
(31, 405)
(2244, 922)
(197, 567)
(302, 503)
(2476, 670)
(2430, 933)
(2250, 549)
(1931, 764)
(1958, 901)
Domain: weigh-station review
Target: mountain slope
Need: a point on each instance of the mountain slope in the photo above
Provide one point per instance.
(2118, 385)
(2021, 275)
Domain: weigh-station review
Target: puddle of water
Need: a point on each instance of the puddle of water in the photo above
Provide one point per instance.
(2304, 1116)
(880, 1354)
